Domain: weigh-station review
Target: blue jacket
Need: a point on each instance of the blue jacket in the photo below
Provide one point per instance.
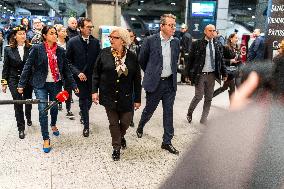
(151, 61)
(37, 65)
(257, 49)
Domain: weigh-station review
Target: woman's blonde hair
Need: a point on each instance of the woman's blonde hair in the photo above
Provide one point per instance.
(59, 27)
(281, 46)
(123, 34)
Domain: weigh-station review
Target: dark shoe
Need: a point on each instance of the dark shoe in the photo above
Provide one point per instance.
(139, 132)
(70, 115)
(86, 132)
(123, 143)
(189, 118)
(21, 134)
(170, 148)
(116, 155)
(29, 122)
(132, 124)
(60, 107)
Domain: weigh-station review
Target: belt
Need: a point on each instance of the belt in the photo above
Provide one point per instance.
(165, 78)
(207, 73)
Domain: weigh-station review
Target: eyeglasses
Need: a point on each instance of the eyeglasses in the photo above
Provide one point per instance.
(113, 37)
(170, 25)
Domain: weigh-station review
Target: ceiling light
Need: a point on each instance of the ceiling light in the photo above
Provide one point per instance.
(0, 5)
(5, 7)
(40, 4)
(249, 8)
(132, 18)
(253, 17)
(173, 3)
(142, 1)
(139, 10)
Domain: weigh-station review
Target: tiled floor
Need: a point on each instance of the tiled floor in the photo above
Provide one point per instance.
(78, 162)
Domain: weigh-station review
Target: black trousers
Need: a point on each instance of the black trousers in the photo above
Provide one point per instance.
(118, 124)
(19, 112)
(85, 105)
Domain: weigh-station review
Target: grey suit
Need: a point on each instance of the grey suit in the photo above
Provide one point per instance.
(157, 88)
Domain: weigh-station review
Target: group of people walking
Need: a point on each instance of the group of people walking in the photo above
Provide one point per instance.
(71, 57)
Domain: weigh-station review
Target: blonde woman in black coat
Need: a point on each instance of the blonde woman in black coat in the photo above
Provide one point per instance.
(116, 76)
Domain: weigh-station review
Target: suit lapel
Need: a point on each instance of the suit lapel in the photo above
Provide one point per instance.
(17, 54)
(26, 53)
(42, 53)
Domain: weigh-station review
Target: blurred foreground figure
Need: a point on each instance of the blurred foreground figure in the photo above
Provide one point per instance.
(242, 149)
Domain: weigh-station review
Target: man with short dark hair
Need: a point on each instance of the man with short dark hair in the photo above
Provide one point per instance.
(257, 48)
(205, 66)
(158, 58)
(82, 52)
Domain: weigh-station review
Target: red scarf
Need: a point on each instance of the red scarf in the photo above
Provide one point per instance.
(52, 59)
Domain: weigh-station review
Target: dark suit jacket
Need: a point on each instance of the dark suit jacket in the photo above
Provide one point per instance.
(82, 58)
(13, 65)
(196, 60)
(37, 65)
(151, 61)
(115, 92)
(257, 49)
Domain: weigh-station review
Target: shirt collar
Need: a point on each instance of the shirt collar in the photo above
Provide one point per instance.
(86, 39)
(163, 39)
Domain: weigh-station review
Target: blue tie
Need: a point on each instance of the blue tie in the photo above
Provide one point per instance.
(211, 55)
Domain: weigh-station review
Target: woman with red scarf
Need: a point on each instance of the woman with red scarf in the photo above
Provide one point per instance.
(47, 65)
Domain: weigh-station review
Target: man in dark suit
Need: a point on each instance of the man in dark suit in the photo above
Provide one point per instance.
(205, 65)
(158, 59)
(82, 52)
(257, 48)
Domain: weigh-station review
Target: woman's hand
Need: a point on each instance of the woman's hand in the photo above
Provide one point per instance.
(4, 88)
(82, 77)
(137, 106)
(95, 98)
(233, 61)
(20, 90)
(76, 90)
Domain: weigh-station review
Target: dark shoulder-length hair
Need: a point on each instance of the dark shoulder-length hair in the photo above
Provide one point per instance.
(45, 30)
(229, 43)
(12, 41)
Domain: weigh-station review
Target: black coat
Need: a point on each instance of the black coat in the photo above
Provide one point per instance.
(82, 58)
(196, 60)
(115, 92)
(279, 73)
(13, 65)
(37, 65)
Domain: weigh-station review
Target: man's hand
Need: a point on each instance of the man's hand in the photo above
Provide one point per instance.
(95, 98)
(76, 90)
(82, 77)
(225, 78)
(4, 88)
(20, 90)
(137, 106)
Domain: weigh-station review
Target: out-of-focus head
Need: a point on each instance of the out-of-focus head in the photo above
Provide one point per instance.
(183, 28)
(24, 21)
(37, 24)
(49, 34)
(256, 32)
(281, 47)
(233, 39)
(18, 35)
(72, 23)
(210, 31)
(85, 25)
(168, 24)
(61, 31)
(119, 38)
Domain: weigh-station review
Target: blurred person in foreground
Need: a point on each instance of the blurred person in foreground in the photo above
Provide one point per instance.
(244, 147)
(15, 56)
(47, 65)
(116, 78)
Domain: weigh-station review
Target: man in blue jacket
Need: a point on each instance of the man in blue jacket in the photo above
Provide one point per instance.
(82, 51)
(158, 59)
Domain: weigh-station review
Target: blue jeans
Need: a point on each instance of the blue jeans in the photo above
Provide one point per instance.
(48, 92)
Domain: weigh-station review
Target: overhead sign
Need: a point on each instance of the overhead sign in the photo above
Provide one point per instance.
(275, 25)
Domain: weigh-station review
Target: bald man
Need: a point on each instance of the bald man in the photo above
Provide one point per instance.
(205, 65)
(72, 28)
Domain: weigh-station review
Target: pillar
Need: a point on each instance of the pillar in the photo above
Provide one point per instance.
(222, 16)
(260, 17)
(103, 14)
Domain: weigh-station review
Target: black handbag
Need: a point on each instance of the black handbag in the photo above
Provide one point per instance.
(232, 70)
(181, 68)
